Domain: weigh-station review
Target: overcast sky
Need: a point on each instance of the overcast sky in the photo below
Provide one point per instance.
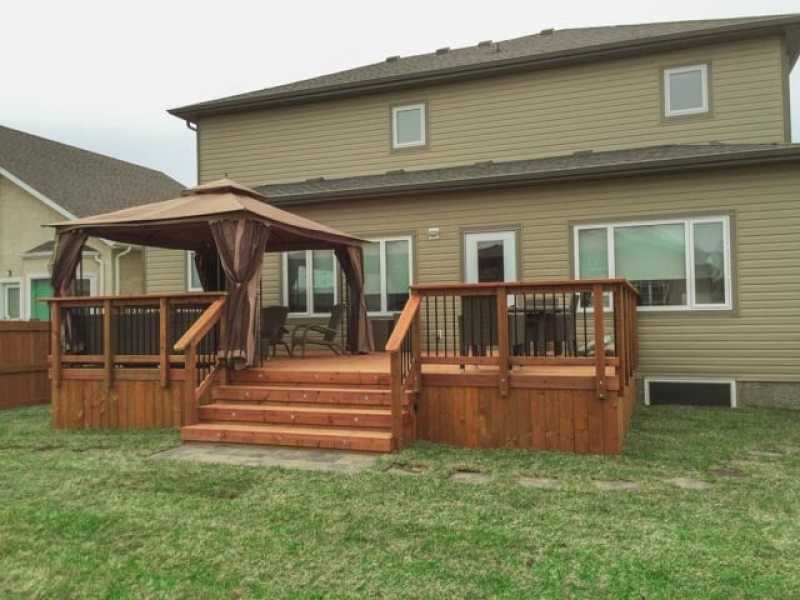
(101, 74)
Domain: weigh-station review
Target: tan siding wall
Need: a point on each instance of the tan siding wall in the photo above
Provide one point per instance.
(759, 340)
(607, 105)
(165, 271)
(21, 218)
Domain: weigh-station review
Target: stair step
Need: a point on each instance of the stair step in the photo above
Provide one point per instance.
(305, 395)
(281, 435)
(323, 378)
(297, 415)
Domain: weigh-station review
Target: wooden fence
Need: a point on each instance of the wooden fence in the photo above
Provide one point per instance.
(23, 363)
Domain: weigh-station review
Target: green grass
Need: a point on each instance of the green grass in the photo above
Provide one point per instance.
(90, 515)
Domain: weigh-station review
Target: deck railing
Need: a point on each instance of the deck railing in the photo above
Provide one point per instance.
(508, 325)
(122, 332)
(403, 348)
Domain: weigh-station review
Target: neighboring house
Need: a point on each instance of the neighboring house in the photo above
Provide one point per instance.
(42, 181)
(657, 152)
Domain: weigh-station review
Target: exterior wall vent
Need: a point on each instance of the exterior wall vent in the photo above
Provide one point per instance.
(694, 392)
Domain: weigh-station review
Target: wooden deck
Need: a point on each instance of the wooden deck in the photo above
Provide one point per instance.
(495, 391)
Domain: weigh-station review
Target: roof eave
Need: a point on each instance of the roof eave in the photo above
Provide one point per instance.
(501, 67)
(743, 159)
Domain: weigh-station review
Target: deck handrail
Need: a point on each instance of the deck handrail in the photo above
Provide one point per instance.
(445, 300)
(202, 326)
(404, 362)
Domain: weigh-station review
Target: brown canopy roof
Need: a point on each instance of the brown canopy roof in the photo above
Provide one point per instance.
(182, 223)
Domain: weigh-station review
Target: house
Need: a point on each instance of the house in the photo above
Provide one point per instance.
(660, 153)
(42, 181)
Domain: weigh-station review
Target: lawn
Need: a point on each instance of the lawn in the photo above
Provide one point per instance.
(91, 515)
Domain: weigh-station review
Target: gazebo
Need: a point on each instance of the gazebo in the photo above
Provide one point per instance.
(229, 227)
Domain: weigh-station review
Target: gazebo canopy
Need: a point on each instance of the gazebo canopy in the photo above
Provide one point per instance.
(182, 223)
(229, 225)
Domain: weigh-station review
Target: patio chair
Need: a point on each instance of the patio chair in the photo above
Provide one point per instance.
(273, 328)
(319, 335)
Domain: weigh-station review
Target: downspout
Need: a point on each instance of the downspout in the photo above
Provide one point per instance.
(128, 250)
(101, 286)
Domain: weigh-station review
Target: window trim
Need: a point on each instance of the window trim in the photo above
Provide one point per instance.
(7, 283)
(384, 312)
(189, 266)
(309, 284)
(421, 106)
(706, 106)
(688, 223)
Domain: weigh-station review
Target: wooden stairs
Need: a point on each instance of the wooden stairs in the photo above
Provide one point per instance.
(333, 410)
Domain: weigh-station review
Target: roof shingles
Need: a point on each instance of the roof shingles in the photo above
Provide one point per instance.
(82, 182)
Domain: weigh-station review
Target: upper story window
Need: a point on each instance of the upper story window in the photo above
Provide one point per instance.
(408, 126)
(686, 91)
(387, 274)
(309, 281)
(676, 264)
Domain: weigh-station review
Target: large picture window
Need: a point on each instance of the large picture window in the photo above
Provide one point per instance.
(309, 281)
(675, 264)
(387, 274)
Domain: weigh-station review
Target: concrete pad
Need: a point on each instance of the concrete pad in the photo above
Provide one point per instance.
(689, 483)
(541, 483)
(308, 459)
(471, 477)
(616, 485)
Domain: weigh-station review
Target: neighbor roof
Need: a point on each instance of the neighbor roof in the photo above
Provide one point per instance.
(550, 47)
(82, 183)
(490, 174)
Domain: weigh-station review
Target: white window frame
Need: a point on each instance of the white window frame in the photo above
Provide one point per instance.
(309, 284)
(7, 283)
(384, 311)
(189, 267)
(649, 380)
(668, 112)
(29, 279)
(688, 224)
(423, 126)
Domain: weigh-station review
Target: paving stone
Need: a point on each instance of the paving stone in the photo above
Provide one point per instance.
(616, 485)
(470, 477)
(309, 459)
(399, 470)
(541, 483)
(689, 483)
(732, 473)
(764, 453)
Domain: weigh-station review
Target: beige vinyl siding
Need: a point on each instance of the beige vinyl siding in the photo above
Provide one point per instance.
(601, 106)
(759, 340)
(165, 270)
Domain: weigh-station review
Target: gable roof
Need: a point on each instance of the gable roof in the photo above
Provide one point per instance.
(581, 165)
(76, 182)
(548, 48)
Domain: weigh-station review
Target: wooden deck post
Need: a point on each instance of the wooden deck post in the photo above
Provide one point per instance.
(190, 372)
(502, 338)
(163, 341)
(599, 343)
(55, 341)
(396, 383)
(108, 346)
